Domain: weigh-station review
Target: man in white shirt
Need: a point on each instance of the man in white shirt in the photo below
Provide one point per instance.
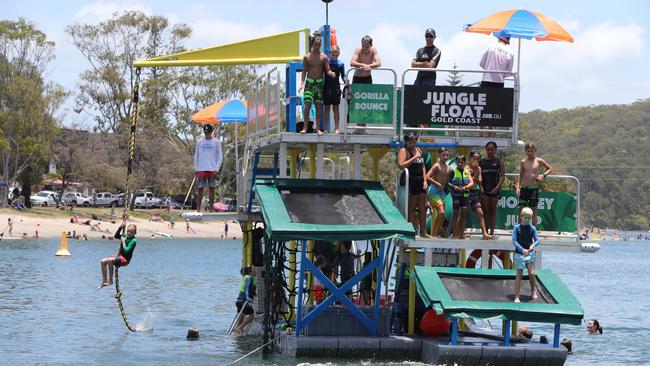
(498, 57)
(207, 162)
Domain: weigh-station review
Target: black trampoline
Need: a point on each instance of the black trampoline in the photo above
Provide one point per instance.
(342, 206)
(492, 289)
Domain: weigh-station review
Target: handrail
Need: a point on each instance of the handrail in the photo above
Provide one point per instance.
(394, 118)
(406, 190)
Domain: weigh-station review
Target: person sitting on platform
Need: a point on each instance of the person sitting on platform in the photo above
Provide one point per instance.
(527, 186)
(525, 239)
(314, 65)
(460, 180)
(437, 179)
(123, 256)
(245, 298)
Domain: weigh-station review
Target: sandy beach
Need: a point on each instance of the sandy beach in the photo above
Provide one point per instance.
(52, 227)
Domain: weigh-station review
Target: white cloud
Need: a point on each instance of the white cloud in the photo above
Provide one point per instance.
(553, 74)
(212, 32)
(99, 11)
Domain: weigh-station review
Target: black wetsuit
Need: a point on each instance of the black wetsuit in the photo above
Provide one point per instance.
(416, 178)
(490, 172)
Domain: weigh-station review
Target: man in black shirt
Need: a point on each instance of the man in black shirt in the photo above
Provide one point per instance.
(427, 57)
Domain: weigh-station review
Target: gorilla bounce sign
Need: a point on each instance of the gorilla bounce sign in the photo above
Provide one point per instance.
(458, 106)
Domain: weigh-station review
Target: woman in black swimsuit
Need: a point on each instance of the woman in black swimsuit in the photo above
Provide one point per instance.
(493, 173)
(410, 157)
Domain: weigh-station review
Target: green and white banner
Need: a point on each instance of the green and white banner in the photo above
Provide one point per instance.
(371, 103)
(556, 211)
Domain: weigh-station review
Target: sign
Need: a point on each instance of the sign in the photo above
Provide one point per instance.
(440, 106)
(371, 103)
(555, 212)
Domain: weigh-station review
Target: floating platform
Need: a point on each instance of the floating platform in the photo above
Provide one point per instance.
(471, 350)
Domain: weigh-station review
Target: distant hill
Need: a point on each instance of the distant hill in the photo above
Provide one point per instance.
(608, 148)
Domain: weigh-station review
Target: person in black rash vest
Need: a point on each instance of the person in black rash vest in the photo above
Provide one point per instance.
(332, 89)
(493, 173)
(427, 57)
(410, 157)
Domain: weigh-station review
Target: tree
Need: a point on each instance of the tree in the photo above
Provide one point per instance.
(454, 78)
(111, 47)
(27, 102)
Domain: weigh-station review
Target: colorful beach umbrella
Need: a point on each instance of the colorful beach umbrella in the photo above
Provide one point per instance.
(225, 111)
(520, 24)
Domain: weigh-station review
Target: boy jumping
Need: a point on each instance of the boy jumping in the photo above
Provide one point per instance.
(527, 186)
(314, 66)
(525, 239)
(123, 256)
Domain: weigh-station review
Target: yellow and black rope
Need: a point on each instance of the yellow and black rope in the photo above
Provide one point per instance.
(118, 297)
(127, 200)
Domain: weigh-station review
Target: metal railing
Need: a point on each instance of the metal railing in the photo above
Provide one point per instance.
(264, 106)
(393, 125)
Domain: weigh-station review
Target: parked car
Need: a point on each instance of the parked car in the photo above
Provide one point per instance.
(44, 198)
(147, 200)
(76, 199)
(108, 199)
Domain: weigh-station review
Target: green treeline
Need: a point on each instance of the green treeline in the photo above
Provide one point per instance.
(607, 148)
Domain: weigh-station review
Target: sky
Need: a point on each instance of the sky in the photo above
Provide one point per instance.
(605, 65)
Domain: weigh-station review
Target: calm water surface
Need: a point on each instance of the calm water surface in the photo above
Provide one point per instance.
(51, 313)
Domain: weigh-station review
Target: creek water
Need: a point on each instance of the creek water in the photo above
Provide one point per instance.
(52, 314)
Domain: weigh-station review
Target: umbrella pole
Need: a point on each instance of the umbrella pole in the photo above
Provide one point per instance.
(518, 55)
(236, 125)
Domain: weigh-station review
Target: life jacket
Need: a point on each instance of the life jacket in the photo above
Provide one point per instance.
(251, 290)
(460, 179)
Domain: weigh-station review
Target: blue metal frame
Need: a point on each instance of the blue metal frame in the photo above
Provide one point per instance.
(292, 94)
(275, 165)
(338, 293)
(453, 339)
(506, 335)
(556, 336)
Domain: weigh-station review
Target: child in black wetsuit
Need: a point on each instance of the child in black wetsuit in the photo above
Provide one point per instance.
(332, 89)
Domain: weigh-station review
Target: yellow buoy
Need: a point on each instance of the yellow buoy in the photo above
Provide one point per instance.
(63, 246)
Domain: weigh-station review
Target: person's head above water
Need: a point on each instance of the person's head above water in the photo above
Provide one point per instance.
(526, 216)
(525, 332)
(593, 326)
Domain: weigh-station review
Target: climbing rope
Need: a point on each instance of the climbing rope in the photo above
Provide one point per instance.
(134, 122)
(118, 297)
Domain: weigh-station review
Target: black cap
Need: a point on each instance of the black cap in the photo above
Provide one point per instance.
(207, 127)
(430, 31)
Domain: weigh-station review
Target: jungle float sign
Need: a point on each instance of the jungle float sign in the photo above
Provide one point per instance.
(458, 106)
(371, 103)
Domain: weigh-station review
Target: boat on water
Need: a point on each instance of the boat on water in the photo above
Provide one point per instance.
(301, 195)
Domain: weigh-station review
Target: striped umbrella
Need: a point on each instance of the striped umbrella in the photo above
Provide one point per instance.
(225, 111)
(520, 24)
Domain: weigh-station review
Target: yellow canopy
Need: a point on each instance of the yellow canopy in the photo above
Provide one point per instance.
(275, 49)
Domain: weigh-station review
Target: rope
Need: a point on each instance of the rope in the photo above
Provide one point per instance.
(255, 350)
(118, 296)
(134, 123)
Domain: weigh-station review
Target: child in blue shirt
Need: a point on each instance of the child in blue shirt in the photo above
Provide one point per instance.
(525, 239)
